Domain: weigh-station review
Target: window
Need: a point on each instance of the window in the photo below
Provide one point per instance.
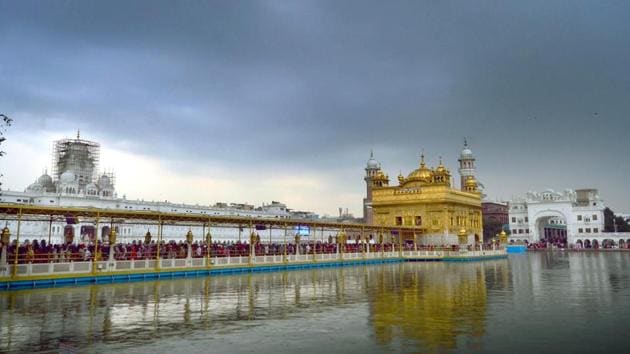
(595, 230)
(399, 220)
(580, 230)
(514, 232)
(513, 219)
(526, 231)
(588, 230)
(520, 231)
(594, 217)
(419, 220)
(579, 217)
(526, 219)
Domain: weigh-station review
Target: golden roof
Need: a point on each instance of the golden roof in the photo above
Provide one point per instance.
(423, 173)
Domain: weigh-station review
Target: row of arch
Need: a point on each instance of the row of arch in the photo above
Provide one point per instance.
(606, 243)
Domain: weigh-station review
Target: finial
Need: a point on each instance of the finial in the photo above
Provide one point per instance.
(465, 142)
(78, 134)
(371, 153)
(422, 158)
(440, 159)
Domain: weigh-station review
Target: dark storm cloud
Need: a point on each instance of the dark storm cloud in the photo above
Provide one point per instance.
(541, 87)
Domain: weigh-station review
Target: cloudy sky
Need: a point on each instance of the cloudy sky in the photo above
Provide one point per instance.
(253, 101)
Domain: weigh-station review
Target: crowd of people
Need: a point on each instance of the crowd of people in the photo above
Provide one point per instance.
(39, 251)
(547, 244)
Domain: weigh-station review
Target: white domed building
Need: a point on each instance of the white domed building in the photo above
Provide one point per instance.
(68, 183)
(106, 186)
(76, 182)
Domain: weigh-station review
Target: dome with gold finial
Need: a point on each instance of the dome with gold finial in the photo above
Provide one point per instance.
(441, 169)
(422, 174)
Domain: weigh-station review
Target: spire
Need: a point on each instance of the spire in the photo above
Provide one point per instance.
(78, 134)
(371, 153)
(465, 142)
(422, 158)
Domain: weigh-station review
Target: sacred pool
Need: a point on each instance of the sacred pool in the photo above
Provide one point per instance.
(536, 302)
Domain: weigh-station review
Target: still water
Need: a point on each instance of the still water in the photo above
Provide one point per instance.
(545, 302)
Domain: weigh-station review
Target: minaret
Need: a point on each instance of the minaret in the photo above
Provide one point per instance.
(371, 171)
(466, 165)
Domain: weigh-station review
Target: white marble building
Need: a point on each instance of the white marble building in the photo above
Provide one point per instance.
(75, 182)
(577, 214)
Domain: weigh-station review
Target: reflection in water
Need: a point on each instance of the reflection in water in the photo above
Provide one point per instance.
(429, 302)
(487, 306)
(432, 303)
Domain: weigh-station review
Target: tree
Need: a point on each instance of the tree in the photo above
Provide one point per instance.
(614, 222)
(4, 124)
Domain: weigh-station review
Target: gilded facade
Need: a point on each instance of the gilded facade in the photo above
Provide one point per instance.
(426, 200)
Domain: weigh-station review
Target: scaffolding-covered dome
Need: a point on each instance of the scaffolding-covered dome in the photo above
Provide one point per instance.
(67, 177)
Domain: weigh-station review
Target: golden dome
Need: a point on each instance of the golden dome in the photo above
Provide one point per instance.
(441, 169)
(423, 174)
(471, 182)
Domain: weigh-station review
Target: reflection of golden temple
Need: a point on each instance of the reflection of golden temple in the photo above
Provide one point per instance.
(426, 201)
(429, 306)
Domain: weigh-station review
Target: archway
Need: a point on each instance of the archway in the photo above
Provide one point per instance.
(608, 243)
(622, 243)
(550, 226)
(587, 243)
(595, 244)
(579, 244)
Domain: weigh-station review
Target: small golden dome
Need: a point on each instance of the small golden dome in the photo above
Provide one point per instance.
(471, 182)
(441, 169)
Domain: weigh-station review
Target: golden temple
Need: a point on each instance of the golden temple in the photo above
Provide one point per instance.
(426, 201)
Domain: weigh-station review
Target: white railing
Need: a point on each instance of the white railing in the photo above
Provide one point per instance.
(123, 266)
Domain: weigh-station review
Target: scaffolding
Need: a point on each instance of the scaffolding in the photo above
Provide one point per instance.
(78, 156)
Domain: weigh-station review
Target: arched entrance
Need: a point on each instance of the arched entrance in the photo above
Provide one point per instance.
(579, 244)
(608, 243)
(595, 244)
(622, 243)
(587, 243)
(550, 226)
